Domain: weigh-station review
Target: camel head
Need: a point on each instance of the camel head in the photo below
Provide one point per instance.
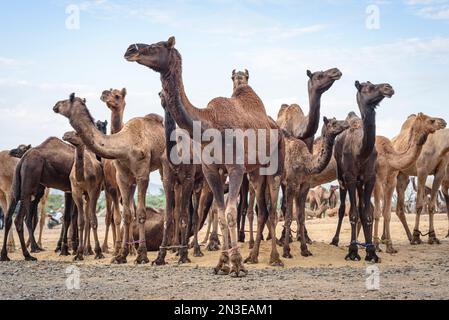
(239, 77)
(114, 99)
(424, 125)
(71, 107)
(102, 126)
(19, 151)
(155, 56)
(73, 138)
(372, 94)
(321, 81)
(333, 127)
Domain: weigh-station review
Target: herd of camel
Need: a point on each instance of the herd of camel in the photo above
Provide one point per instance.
(90, 161)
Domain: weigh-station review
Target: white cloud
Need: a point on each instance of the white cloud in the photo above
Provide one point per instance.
(8, 62)
(430, 9)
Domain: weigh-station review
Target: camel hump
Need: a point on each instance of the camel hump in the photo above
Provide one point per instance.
(154, 117)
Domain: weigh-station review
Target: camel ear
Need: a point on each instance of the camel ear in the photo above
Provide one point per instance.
(124, 92)
(309, 74)
(105, 122)
(171, 42)
(29, 146)
(358, 85)
(84, 100)
(325, 120)
(233, 73)
(247, 73)
(72, 97)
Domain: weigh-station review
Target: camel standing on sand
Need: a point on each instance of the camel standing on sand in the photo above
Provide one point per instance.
(115, 101)
(445, 192)
(356, 156)
(86, 179)
(40, 167)
(137, 151)
(292, 119)
(390, 162)
(299, 164)
(243, 111)
(9, 160)
(433, 160)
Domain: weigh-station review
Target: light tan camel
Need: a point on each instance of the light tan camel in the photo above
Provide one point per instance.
(445, 192)
(390, 162)
(137, 151)
(243, 111)
(115, 101)
(9, 160)
(433, 160)
(86, 179)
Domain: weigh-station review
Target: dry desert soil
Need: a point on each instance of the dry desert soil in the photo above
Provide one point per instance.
(415, 272)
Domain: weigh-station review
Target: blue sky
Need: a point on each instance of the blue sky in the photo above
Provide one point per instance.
(41, 61)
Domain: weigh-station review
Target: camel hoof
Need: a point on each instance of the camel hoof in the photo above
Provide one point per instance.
(88, 251)
(36, 249)
(158, 262)
(434, 240)
(58, 249)
(251, 244)
(119, 259)
(252, 259)
(286, 253)
(30, 258)
(197, 252)
(416, 241)
(353, 254)
(99, 256)
(276, 261)
(306, 253)
(390, 250)
(237, 268)
(64, 251)
(372, 257)
(184, 260)
(78, 257)
(213, 245)
(223, 264)
(335, 242)
(4, 257)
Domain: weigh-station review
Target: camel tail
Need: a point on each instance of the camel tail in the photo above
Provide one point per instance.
(15, 190)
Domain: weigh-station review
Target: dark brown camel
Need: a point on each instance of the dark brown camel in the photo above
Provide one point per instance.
(243, 111)
(47, 165)
(356, 155)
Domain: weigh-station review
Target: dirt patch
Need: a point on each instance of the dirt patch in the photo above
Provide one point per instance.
(415, 272)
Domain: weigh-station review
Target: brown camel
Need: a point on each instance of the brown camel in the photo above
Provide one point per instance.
(299, 165)
(179, 181)
(9, 160)
(322, 195)
(293, 121)
(433, 160)
(445, 192)
(154, 228)
(243, 111)
(115, 101)
(86, 179)
(390, 162)
(137, 151)
(40, 167)
(356, 156)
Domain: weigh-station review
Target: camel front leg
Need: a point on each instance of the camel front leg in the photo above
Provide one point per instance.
(142, 186)
(252, 199)
(444, 190)
(127, 196)
(341, 215)
(108, 221)
(78, 199)
(197, 218)
(186, 195)
(93, 198)
(388, 195)
(366, 216)
(243, 208)
(402, 181)
(42, 205)
(273, 184)
(378, 196)
(235, 174)
(87, 245)
(259, 184)
(353, 218)
(215, 183)
(438, 177)
(301, 216)
(420, 202)
(24, 210)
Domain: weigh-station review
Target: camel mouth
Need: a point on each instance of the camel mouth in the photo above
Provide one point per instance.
(337, 75)
(56, 109)
(389, 93)
(132, 53)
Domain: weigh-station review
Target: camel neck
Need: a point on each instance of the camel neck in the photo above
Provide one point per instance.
(313, 120)
(117, 120)
(179, 106)
(79, 162)
(369, 130)
(321, 160)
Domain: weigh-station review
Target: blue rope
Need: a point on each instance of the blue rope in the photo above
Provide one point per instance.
(362, 244)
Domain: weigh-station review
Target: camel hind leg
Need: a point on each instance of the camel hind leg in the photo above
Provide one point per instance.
(92, 206)
(444, 190)
(402, 182)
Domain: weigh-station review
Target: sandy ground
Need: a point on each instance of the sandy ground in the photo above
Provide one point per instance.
(415, 272)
